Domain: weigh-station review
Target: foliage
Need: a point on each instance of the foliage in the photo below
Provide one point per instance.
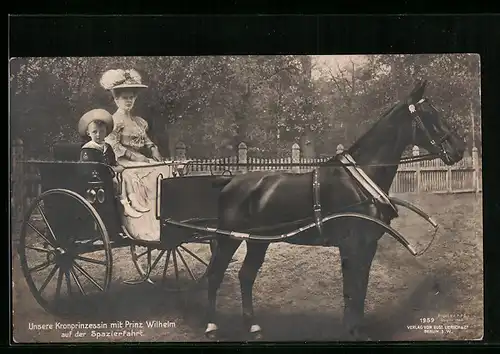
(212, 103)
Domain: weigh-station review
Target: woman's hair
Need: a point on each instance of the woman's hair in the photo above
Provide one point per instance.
(117, 92)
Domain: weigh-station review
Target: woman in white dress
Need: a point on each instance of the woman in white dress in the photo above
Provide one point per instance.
(128, 139)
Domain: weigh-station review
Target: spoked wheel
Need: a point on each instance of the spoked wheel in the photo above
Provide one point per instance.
(180, 268)
(64, 252)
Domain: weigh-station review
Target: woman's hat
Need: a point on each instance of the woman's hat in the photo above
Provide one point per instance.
(93, 115)
(118, 78)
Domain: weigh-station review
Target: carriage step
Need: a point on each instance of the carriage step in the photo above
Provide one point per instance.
(86, 242)
(100, 242)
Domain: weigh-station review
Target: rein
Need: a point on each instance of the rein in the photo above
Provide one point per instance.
(418, 254)
(411, 159)
(330, 162)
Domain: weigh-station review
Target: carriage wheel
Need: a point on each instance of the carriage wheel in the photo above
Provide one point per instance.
(64, 248)
(180, 268)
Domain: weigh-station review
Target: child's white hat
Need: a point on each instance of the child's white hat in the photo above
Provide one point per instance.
(93, 115)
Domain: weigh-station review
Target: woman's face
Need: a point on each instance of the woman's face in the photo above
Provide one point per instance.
(125, 100)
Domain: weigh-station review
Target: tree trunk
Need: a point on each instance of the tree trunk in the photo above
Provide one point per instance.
(307, 140)
(241, 117)
(307, 144)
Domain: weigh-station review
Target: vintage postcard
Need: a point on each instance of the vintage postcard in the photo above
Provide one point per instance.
(235, 198)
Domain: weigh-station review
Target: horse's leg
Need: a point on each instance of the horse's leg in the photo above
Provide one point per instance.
(256, 252)
(223, 253)
(356, 253)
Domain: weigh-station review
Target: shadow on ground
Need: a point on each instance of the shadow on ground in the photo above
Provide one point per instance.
(146, 302)
(402, 290)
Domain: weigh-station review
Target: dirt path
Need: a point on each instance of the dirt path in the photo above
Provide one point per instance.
(298, 293)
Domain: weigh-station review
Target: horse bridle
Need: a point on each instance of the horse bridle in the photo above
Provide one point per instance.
(417, 122)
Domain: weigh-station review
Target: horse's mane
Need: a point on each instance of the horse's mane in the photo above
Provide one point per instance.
(384, 117)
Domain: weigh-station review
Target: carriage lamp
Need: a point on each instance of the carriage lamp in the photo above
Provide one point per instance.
(96, 190)
(100, 195)
(91, 195)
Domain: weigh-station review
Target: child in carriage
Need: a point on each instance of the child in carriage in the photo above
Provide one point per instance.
(97, 124)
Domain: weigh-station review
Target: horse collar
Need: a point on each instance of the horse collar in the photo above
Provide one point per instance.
(378, 196)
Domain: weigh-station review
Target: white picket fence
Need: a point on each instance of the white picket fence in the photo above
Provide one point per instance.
(419, 177)
(426, 176)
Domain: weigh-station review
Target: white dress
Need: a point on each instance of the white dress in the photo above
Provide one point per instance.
(131, 134)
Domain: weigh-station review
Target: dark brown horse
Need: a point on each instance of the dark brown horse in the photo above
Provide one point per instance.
(263, 199)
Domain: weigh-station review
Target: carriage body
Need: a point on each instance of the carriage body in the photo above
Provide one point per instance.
(77, 218)
(92, 181)
(192, 200)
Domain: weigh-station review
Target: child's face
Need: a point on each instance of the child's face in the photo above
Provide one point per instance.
(97, 132)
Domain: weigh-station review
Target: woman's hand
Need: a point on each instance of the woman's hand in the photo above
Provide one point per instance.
(142, 158)
(132, 156)
(156, 154)
(118, 169)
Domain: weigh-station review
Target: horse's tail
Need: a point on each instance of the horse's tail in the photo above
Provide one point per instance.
(221, 181)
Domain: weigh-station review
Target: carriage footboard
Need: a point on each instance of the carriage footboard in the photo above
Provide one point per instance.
(280, 238)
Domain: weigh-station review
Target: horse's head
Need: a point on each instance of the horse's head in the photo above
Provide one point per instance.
(430, 131)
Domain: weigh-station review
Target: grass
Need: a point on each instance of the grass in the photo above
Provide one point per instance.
(298, 292)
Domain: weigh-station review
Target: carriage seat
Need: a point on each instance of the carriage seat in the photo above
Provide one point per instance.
(67, 151)
(71, 151)
(58, 174)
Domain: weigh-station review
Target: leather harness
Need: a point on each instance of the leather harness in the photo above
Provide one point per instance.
(317, 202)
(378, 196)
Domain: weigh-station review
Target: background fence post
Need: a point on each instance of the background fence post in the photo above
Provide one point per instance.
(449, 186)
(295, 157)
(243, 156)
(17, 180)
(416, 152)
(180, 151)
(475, 165)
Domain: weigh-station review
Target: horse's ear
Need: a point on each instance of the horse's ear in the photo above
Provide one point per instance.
(417, 93)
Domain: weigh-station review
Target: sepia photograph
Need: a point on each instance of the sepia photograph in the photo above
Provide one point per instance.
(282, 198)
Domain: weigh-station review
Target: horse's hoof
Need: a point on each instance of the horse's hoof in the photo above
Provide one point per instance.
(211, 331)
(212, 335)
(256, 333)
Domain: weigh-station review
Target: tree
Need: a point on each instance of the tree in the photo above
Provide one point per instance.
(212, 103)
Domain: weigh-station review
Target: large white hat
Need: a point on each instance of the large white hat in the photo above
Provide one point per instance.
(118, 78)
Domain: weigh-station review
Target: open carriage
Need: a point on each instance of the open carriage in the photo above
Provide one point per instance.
(70, 230)
(72, 227)
(76, 223)
(77, 218)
